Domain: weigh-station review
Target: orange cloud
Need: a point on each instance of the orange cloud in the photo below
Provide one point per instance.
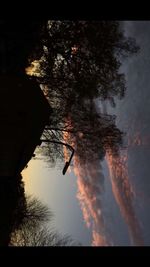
(90, 187)
(123, 194)
(90, 182)
(98, 239)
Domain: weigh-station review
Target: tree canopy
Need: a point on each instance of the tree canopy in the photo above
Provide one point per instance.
(82, 59)
(81, 64)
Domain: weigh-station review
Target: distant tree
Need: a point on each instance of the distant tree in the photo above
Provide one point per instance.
(33, 231)
(35, 212)
(41, 236)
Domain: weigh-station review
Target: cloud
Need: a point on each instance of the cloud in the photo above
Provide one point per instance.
(90, 182)
(98, 239)
(123, 194)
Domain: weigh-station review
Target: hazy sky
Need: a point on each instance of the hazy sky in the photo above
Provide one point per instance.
(119, 212)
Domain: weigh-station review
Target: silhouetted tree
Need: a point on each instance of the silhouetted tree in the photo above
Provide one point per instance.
(33, 231)
(82, 59)
(80, 63)
(35, 212)
(41, 236)
(89, 132)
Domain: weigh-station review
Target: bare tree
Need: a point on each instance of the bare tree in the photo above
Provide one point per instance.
(40, 236)
(35, 212)
(34, 230)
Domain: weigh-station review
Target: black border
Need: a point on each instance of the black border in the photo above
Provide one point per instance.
(76, 256)
(75, 10)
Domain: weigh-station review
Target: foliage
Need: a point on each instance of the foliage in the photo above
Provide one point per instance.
(80, 64)
(82, 59)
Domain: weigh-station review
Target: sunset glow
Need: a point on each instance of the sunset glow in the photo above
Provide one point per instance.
(90, 185)
(123, 193)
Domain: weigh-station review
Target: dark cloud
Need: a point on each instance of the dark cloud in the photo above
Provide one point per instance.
(134, 117)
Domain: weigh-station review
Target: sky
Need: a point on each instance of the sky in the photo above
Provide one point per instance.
(107, 203)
